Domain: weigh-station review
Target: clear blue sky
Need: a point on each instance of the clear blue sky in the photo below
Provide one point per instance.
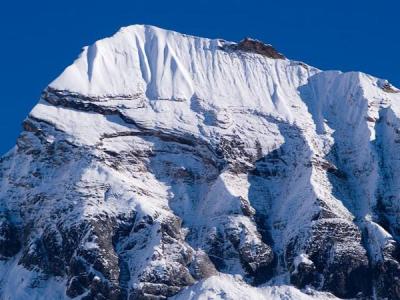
(40, 38)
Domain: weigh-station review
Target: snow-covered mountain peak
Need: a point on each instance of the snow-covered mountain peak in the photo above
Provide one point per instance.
(165, 79)
(164, 64)
(162, 164)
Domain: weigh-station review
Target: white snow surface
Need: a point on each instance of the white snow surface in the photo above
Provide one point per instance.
(228, 287)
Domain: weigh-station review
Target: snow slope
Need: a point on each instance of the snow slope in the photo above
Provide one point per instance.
(160, 164)
(229, 287)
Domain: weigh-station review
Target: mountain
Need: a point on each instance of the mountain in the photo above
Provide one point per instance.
(165, 165)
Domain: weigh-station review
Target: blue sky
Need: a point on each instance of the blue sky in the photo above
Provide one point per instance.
(40, 38)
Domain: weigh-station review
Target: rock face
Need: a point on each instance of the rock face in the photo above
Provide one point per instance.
(158, 160)
(254, 46)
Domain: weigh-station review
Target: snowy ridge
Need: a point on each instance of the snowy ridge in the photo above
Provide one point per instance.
(172, 165)
(228, 287)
